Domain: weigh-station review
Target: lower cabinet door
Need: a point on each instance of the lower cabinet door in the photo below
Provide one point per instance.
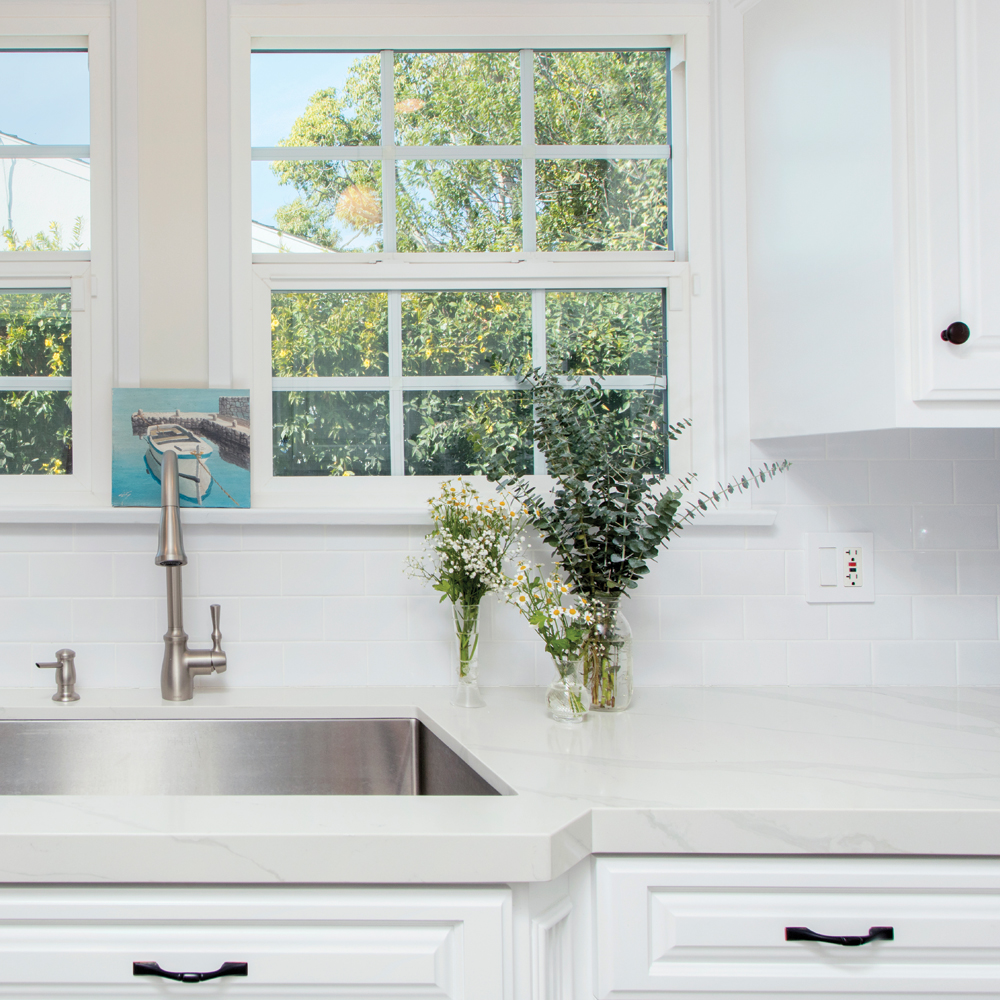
(797, 927)
(297, 942)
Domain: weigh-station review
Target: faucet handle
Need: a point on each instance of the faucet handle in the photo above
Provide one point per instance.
(219, 657)
(65, 675)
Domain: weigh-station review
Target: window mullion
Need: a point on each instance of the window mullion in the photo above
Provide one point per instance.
(388, 153)
(528, 231)
(396, 467)
(538, 359)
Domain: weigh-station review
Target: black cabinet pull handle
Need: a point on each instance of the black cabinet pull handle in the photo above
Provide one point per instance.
(957, 333)
(848, 940)
(153, 969)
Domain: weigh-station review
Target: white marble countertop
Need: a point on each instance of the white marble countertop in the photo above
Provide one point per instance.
(705, 770)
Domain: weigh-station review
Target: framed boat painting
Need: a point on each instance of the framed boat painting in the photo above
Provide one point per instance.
(208, 429)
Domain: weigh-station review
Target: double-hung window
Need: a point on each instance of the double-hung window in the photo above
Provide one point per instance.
(429, 219)
(47, 233)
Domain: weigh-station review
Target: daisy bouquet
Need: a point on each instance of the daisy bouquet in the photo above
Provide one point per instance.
(562, 627)
(464, 556)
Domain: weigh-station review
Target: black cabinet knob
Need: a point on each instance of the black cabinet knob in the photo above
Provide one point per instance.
(957, 333)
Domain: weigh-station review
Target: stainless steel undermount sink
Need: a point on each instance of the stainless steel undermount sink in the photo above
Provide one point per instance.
(231, 757)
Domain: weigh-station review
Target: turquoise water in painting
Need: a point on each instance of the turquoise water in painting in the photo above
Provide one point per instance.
(132, 484)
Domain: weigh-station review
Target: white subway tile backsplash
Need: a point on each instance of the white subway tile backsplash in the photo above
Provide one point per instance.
(360, 618)
(887, 444)
(977, 482)
(239, 574)
(829, 663)
(36, 620)
(918, 571)
(36, 537)
(966, 527)
(669, 663)
(314, 605)
(701, 617)
(955, 617)
(979, 572)
(912, 482)
(892, 526)
(828, 483)
(949, 443)
(786, 617)
(114, 619)
(322, 573)
(326, 664)
(745, 662)
(14, 574)
(68, 574)
(913, 664)
(886, 618)
(979, 663)
(408, 663)
(743, 572)
(280, 619)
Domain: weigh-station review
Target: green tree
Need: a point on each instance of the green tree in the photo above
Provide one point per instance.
(469, 205)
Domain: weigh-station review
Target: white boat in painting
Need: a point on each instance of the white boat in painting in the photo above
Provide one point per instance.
(192, 453)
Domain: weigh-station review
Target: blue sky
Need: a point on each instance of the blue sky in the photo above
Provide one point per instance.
(45, 97)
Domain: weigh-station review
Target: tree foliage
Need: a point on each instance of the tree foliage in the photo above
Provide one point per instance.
(35, 340)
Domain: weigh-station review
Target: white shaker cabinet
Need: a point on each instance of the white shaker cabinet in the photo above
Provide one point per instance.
(873, 192)
(702, 927)
(447, 944)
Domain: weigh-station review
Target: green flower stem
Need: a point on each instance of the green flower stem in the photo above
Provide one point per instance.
(467, 631)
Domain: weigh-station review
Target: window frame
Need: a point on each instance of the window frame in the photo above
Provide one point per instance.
(691, 354)
(83, 272)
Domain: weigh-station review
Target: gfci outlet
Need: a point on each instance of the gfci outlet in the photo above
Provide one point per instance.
(840, 568)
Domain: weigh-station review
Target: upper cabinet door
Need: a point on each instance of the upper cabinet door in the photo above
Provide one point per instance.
(954, 82)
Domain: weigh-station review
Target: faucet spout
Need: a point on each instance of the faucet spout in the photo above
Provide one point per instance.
(180, 664)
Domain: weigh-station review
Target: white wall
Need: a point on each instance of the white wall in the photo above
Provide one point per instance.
(314, 605)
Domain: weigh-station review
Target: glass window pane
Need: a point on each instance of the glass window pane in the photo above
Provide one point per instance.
(309, 206)
(35, 333)
(630, 417)
(466, 333)
(329, 333)
(315, 99)
(458, 205)
(455, 432)
(601, 98)
(605, 332)
(44, 203)
(45, 97)
(331, 433)
(457, 98)
(602, 205)
(36, 433)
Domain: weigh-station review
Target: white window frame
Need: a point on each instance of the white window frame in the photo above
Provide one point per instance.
(239, 306)
(57, 25)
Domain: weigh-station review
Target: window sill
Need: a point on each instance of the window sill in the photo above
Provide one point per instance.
(734, 517)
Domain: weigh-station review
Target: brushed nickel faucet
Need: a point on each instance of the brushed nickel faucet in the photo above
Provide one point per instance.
(180, 664)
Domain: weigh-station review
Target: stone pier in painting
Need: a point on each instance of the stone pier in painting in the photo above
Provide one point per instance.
(228, 430)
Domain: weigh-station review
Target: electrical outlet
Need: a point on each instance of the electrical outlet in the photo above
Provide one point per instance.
(839, 568)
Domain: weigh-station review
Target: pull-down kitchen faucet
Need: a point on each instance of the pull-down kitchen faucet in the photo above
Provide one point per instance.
(180, 664)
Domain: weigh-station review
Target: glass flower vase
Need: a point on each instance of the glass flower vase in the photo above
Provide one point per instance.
(467, 693)
(567, 698)
(607, 658)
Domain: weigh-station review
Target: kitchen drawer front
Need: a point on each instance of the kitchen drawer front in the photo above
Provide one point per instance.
(697, 926)
(414, 943)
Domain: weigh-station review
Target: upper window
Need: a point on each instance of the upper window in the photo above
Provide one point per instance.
(44, 150)
(44, 212)
(468, 152)
(427, 225)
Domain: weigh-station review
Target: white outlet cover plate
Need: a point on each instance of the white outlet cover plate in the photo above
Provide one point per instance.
(840, 541)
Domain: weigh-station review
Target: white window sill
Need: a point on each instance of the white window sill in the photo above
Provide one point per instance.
(733, 517)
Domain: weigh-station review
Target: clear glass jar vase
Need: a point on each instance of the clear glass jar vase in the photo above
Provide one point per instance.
(607, 658)
(567, 698)
(467, 692)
